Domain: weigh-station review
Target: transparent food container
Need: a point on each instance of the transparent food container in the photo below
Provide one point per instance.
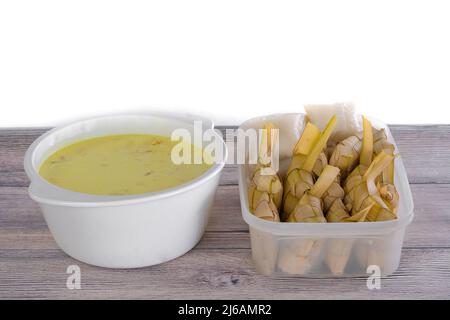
(328, 249)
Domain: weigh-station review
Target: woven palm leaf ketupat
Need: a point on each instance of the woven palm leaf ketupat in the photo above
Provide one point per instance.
(385, 182)
(335, 192)
(319, 165)
(299, 255)
(309, 208)
(346, 154)
(265, 191)
(380, 210)
(338, 250)
(360, 185)
(365, 159)
(308, 158)
(389, 194)
(381, 143)
(297, 182)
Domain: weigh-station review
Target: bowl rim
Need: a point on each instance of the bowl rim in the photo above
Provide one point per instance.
(45, 192)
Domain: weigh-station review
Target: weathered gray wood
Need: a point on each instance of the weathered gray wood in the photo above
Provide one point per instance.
(212, 274)
(425, 151)
(31, 265)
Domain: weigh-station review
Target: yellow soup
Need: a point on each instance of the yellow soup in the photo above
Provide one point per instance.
(119, 165)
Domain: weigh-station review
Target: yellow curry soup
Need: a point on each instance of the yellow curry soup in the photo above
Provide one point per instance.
(125, 164)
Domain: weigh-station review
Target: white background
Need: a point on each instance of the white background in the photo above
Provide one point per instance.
(230, 60)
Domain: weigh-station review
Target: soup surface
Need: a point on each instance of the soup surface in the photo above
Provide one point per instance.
(119, 165)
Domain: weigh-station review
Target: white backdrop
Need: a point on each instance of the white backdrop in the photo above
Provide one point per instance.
(230, 60)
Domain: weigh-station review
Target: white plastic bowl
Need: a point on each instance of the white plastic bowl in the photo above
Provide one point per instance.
(123, 231)
(306, 249)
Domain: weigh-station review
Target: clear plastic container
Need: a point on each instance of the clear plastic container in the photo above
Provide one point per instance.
(329, 249)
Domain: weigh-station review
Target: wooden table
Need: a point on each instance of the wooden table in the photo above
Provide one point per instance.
(32, 266)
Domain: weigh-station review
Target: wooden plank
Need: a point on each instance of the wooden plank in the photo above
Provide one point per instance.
(22, 226)
(420, 146)
(41, 239)
(425, 151)
(212, 274)
(432, 216)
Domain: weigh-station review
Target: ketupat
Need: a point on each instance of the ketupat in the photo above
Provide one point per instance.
(360, 185)
(320, 164)
(346, 154)
(365, 158)
(338, 213)
(299, 255)
(385, 182)
(265, 190)
(309, 158)
(381, 143)
(366, 155)
(389, 194)
(372, 252)
(297, 182)
(335, 192)
(262, 204)
(380, 210)
(338, 250)
(309, 208)
(264, 250)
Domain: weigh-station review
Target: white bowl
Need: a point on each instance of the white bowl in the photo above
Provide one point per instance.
(123, 231)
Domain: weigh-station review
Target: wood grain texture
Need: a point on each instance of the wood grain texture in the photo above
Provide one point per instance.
(32, 266)
(211, 274)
